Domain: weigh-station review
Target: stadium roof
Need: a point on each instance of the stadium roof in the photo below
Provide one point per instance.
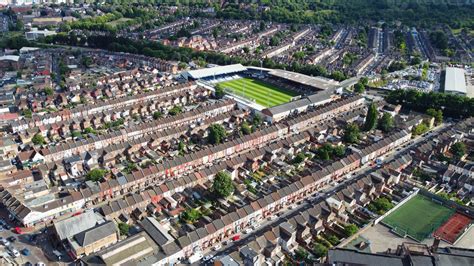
(315, 82)
(455, 81)
(219, 70)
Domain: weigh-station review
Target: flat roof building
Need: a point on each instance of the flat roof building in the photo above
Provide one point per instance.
(455, 81)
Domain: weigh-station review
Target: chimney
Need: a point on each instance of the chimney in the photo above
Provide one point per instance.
(435, 245)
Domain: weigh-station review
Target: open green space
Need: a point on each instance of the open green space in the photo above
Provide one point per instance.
(418, 217)
(261, 92)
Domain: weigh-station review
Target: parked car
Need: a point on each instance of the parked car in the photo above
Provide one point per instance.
(12, 239)
(15, 253)
(5, 242)
(216, 247)
(25, 252)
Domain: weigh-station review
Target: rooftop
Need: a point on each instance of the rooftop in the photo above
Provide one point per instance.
(455, 80)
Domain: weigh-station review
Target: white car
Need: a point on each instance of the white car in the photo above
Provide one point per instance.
(15, 253)
(216, 247)
(40, 264)
(5, 242)
(248, 231)
(208, 257)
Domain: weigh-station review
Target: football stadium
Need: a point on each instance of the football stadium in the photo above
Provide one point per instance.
(274, 93)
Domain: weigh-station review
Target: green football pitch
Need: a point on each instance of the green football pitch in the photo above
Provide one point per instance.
(418, 217)
(261, 92)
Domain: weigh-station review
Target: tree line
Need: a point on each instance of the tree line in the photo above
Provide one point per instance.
(452, 105)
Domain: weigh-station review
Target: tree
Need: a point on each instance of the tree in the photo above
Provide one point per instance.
(386, 123)
(350, 229)
(48, 91)
(217, 134)
(219, 93)
(86, 61)
(96, 174)
(299, 158)
(301, 254)
(257, 120)
(223, 185)
(333, 240)
(339, 151)
(181, 146)
(175, 110)
(245, 128)
(380, 205)
(123, 229)
(157, 115)
(371, 118)
(191, 215)
(38, 139)
(420, 129)
(351, 133)
(364, 81)
(437, 114)
(458, 150)
(320, 250)
(27, 113)
(359, 87)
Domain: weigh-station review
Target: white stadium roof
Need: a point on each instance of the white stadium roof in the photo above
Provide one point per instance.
(455, 81)
(214, 71)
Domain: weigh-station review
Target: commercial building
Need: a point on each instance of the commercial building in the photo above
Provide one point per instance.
(455, 81)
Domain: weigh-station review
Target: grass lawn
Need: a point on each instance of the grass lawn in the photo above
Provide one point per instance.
(418, 217)
(263, 93)
(119, 21)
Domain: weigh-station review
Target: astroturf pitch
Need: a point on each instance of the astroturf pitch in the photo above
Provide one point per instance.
(418, 217)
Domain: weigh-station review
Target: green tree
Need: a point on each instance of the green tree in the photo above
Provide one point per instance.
(191, 215)
(157, 115)
(27, 113)
(437, 114)
(96, 174)
(299, 158)
(217, 134)
(351, 133)
(123, 229)
(420, 129)
(301, 254)
(181, 147)
(371, 118)
(320, 250)
(386, 122)
(219, 93)
(245, 128)
(380, 205)
(339, 151)
(359, 87)
(333, 240)
(48, 91)
(364, 81)
(458, 150)
(257, 120)
(175, 110)
(38, 139)
(350, 229)
(223, 185)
